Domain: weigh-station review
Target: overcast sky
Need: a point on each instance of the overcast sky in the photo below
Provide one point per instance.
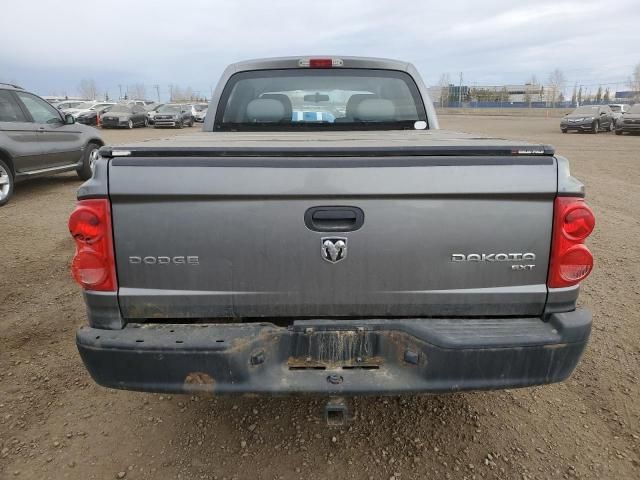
(50, 46)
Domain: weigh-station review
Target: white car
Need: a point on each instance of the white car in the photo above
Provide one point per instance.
(77, 111)
(200, 111)
(618, 110)
(85, 107)
(152, 113)
(68, 104)
(141, 103)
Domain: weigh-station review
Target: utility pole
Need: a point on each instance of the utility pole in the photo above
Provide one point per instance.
(157, 87)
(120, 87)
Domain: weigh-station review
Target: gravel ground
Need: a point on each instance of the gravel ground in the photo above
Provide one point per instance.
(56, 423)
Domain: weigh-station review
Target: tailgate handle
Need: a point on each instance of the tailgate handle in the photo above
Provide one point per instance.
(334, 219)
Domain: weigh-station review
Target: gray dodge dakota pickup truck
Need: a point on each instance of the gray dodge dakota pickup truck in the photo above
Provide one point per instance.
(322, 235)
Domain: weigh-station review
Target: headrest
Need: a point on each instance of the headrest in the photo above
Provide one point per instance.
(354, 101)
(265, 110)
(281, 97)
(375, 110)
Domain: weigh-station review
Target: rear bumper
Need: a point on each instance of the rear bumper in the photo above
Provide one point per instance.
(338, 356)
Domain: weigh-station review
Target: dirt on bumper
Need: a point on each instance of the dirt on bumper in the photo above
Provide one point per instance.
(381, 356)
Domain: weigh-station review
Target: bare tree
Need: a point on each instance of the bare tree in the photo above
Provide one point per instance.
(504, 95)
(175, 93)
(137, 91)
(179, 94)
(634, 82)
(556, 85)
(531, 87)
(10, 81)
(87, 88)
(444, 83)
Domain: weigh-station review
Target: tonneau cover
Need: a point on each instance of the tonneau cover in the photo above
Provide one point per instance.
(363, 143)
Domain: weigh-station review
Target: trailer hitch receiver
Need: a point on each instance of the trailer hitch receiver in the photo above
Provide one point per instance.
(336, 412)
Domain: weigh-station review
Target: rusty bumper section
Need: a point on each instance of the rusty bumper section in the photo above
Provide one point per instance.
(386, 356)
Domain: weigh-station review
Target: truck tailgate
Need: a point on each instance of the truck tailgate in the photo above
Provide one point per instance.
(443, 235)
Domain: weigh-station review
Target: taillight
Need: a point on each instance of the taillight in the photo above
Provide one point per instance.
(571, 261)
(93, 265)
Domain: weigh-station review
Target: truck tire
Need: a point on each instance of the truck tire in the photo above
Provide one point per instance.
(90, 156)
(6, 182)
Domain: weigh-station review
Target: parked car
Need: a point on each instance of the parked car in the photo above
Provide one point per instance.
(151, 113)
(53, 99)
(618, 109)
(90, 117)
(125, 116)
(630, 121)
(37, 139)
(200, 111)
(142, 103)
(272, 256)
(173, 115)
(87, 107)
(68, 104)
(80, 107)
(591, 118)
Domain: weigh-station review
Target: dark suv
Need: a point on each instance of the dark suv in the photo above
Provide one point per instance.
(589, 118)
(630, 121)
(37, 139)
(173, 115)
